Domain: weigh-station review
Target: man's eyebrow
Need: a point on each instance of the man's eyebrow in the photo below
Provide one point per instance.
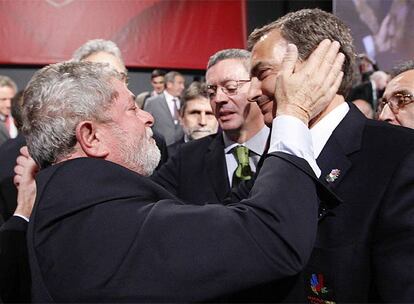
(403, 92)
(255, 69)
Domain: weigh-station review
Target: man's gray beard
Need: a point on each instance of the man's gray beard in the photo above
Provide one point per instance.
(142, 155)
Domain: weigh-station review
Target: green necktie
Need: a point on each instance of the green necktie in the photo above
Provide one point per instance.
(243, 170)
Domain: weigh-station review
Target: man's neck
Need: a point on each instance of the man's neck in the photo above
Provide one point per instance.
(338, 100)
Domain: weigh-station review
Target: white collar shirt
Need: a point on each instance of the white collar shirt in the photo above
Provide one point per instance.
(170, 103)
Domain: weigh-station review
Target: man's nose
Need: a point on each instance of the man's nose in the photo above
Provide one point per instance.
(146, 118)
(203, 120)
(220, 96)
(254, 90)
(386, 114)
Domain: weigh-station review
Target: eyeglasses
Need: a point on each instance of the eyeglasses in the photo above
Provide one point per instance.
(395, 102)
(229, 88)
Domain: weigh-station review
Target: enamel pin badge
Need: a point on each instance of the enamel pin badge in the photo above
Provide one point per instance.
(331, 177)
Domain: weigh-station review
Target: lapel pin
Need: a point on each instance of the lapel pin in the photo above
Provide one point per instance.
(331, 177)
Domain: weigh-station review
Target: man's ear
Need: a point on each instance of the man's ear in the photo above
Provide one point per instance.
(89, 137)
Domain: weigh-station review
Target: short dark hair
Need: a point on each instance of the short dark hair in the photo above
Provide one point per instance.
(195, 90)
(306, 29)
(402, 67)
(158, 73)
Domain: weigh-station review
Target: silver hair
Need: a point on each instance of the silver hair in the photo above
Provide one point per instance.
(6, 81)
(96, 46)
(241, 54)
(57, 98)
(170, 76)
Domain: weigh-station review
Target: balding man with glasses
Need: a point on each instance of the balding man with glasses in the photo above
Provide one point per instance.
(207, 169)
(397, 105)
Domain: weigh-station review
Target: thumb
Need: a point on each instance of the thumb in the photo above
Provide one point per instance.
(289, 60)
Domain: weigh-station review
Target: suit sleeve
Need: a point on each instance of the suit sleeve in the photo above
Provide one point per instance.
(156, 251)
(394, 239)
(197, 253)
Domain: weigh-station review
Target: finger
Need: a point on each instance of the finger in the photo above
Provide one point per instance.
(21, 160)
(24, 151)
(330, 94)
(329, 58)
(16, 180)
(317, 56)
(19, 169)
(289, 60)
(332, 75)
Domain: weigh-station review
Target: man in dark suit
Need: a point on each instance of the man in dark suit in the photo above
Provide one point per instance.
(165, 108)
(167, 251)
(370, 91)
(205, 169)
(363, 247)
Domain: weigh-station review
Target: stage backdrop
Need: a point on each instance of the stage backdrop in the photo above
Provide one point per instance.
(150, 33)
(383, 29)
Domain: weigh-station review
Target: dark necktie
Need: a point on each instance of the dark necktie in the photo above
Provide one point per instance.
(7, 123)
(243, 171)
(176, 113)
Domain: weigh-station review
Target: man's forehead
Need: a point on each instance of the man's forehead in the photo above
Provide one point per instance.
(6, 90)
(227, 69)
(271, 47)
(403, 81)
(199, 102)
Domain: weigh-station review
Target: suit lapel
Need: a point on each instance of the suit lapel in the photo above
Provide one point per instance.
(334, 160)
(216, 167)
(345, 140)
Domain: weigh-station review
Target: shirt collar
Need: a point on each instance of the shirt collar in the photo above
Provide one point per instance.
(255, 144)
(324, 128)
(168, 96)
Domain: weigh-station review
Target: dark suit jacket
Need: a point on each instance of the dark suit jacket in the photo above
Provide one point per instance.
(174, 147)
(4, 134)
(363, 251)
(163, 121)
(364, 247)
(100, 232)
(363, 91)
(8, 192)
(197, 171)
(14, 263)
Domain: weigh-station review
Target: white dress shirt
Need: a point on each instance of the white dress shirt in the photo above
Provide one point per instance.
(291, 135)
(170, 102)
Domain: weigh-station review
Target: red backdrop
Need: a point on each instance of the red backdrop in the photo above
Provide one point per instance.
(150, 33)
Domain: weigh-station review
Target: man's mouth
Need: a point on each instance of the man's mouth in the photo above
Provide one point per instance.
(225, 114)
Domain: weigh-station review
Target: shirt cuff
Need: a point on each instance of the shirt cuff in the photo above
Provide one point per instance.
(290, 135)
(21, 216)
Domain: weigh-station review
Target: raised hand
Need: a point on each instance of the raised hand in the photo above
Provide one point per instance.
(25, 171)
(305, 90)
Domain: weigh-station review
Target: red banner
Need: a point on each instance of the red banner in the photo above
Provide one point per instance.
(150, 33)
